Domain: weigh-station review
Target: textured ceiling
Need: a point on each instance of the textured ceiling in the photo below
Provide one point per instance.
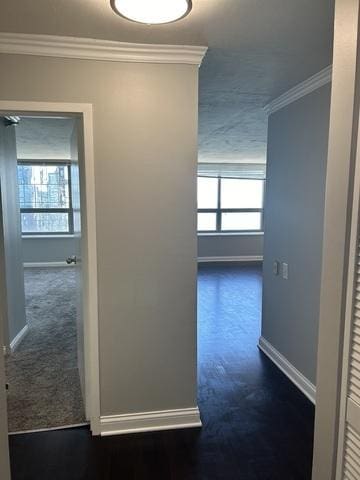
(234, 88)
(257, 50)
(44, 138)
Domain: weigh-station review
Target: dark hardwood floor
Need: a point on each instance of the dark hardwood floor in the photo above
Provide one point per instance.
(256, 424)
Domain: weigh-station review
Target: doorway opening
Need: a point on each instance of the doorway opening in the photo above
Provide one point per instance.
(48, 243)
(44, 361)
(258, 324)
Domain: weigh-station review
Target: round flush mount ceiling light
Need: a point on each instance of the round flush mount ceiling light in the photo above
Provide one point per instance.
(152, 11)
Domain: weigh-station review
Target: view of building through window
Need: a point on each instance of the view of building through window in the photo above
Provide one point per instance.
(45, 200)
(230, 204)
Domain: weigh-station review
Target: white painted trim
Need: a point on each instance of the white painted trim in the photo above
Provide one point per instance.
(298, 379)
(90, 287)
(241, 258)
(304, 88)
(92, 49)
(44, 237)
(150, 421)
(46, 264)
(50, 429)
(84, 111)
(19, 338)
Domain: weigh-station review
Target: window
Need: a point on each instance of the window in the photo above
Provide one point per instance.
(45, 198)
(230, 204)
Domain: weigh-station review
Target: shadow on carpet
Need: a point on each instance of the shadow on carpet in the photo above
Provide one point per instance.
(44, 385)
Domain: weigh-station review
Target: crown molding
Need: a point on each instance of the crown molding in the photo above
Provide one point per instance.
(304, 88)
(93, 49)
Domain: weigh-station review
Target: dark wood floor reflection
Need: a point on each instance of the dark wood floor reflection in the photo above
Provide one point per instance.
(256, 424)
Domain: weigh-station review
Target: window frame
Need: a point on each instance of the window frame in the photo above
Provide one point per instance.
(69, 210)
(219, 211)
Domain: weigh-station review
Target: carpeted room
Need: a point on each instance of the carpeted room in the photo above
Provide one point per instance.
(42, 373)
(42, 361)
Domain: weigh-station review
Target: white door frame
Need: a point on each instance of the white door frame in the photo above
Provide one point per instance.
(84, 112)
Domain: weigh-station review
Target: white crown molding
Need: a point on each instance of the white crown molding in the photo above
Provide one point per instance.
(304, 88)
(92, 49)
(298, 379)
(150, 421)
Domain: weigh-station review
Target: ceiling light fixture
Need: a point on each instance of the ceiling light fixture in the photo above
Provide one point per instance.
(152, 11)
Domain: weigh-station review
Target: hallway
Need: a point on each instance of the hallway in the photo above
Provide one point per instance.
(256, 424)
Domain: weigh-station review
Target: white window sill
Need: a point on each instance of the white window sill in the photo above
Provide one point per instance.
(229, 234)
(48, 236)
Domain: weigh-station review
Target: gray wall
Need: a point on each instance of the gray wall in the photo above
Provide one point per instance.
(46, 249)
(145, 141)
(56, 249)
(297, 152)
(230, 245)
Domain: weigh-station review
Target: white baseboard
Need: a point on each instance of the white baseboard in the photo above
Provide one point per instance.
(241, 258)
(50, 429)
(19, 338)
(46, 264)
(303, 384)
(150, 421)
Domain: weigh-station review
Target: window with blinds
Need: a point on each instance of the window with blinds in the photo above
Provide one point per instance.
(45, 198)
(230, 197)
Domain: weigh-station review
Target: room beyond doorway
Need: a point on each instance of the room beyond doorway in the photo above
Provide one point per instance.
(82, 113)
(41, 201)
(45, 387)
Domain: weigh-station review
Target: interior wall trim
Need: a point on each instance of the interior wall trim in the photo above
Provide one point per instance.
(46, 264)
(92, 49)
(304, 88)
(19, 338)
(150, 421)
(298, 379)
(240, 258)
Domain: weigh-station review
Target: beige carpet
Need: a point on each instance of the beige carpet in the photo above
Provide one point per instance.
(44, 386)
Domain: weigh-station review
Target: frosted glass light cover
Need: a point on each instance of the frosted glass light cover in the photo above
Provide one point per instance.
(152, 11)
